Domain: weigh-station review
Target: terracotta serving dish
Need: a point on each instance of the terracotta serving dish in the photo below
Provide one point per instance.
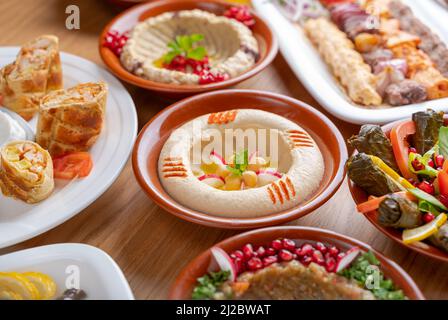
(129, 18)
(186, 281)
(359, 196)
(156, 132)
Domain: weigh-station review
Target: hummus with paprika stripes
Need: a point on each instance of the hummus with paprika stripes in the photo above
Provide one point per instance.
(296, 169)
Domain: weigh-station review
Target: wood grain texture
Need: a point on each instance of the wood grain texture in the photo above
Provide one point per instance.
(150, 245)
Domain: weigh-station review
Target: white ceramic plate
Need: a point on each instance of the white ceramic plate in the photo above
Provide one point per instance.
(99, 275)
(20, 221)
(314, 74)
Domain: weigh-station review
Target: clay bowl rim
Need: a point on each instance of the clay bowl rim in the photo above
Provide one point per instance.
(163, 200)
(360, 196)
(114, 65)
(184, 282)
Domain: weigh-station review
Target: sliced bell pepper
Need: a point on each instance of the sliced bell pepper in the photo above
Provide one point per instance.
(442, 179)
(391, 173)
(400, 146)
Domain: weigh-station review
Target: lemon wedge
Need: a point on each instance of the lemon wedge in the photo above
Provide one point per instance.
(425, 231)
(19, 284)
(9, 295)
(43, 283)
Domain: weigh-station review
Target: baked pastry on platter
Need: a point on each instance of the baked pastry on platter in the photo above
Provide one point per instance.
(26, 171)
(71, 120)
(36, 71)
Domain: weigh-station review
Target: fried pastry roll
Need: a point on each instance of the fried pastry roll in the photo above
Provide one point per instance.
(26, 171)
(36, 71)
(71, 120)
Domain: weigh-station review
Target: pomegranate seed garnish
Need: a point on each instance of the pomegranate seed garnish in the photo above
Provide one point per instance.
(115, 42)
(306, 249)
(306, 260)
(277, 244)
(261, 252)
(248, 251)
(426, 186)
(321, 247)
(285, 255)
(412, 150)
(288, 244)
(330, 264)
(333, 251)
(270, 251)
(241, 14)
(439, 161)
(254, 264)
(428, 217)
(269, 260)
(340, 256)
(318, 257)
(237, 254)
(239, 265)
(417, 165)
(431, 163)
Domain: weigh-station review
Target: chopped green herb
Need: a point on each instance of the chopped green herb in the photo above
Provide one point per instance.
(240, 163)
(185, 45)
(208, 285)
(360, 271)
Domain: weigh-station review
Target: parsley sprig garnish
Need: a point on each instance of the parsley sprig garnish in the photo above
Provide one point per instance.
(240, 163)
(358, 272)
(208, 285)
(185, 45)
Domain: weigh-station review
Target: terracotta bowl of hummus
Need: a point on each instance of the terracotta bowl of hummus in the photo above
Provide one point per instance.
(179, 48)
(289, 276)
(261, 190)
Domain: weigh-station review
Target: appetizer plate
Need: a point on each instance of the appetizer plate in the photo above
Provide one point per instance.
(314, 74)
(185, 282)
(129, 18)
(99, 276)
(359, 196)
(152, 137)
(20, 221)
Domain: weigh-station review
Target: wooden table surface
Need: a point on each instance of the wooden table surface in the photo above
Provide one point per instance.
(150, 245)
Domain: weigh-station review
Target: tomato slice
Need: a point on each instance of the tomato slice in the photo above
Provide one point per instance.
(72, 165)
(400, 146)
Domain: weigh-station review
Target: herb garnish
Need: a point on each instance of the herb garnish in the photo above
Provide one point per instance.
(185, 46)
(358, 271)
(208, 285)
(240, 163)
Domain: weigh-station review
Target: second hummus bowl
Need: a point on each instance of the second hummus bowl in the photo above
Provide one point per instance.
(320, 129)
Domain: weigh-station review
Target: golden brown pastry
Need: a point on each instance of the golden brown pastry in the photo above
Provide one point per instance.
(36, 71)
(71, 120)
(26, 171)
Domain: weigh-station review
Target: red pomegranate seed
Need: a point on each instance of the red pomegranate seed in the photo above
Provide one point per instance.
(261, 251)
(277, 244)
(318, 257)
(237, 254)
(239, 265)
(288, 244)
(254, 264)
(306, 249)
(333, 251)
(321, 247)
(330, 264)
(412, 149)
(269, 260)
(285, 255)
(270, 251)
(426, 186)
(439, 161)
(306, 260)
(428, 217)
(431, 163)
(340, 256)
(417, 165)
(248, 251)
